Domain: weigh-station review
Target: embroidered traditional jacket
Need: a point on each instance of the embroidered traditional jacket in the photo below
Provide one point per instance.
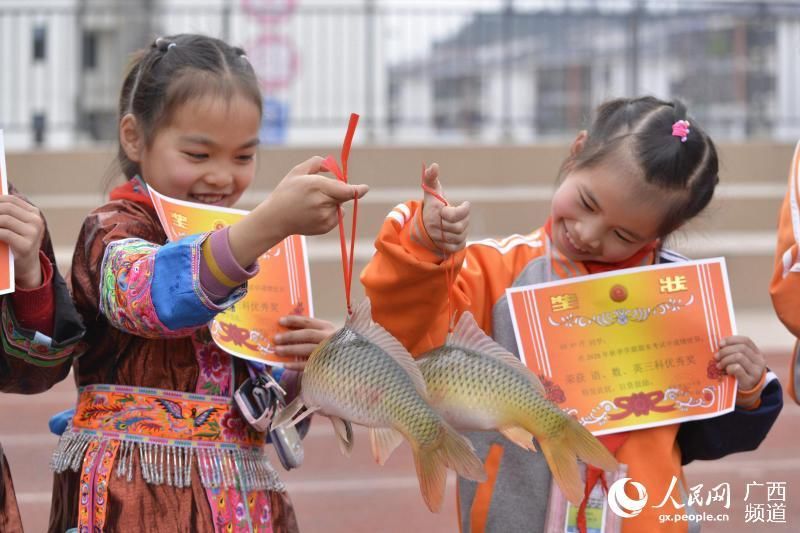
(33, 361)
(155, 444)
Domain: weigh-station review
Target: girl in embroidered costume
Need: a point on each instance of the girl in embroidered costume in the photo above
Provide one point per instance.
(156, 443)
(40, 327)
(639, 173)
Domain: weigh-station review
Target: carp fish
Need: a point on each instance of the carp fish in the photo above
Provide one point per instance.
(362, 374)
(479, 386)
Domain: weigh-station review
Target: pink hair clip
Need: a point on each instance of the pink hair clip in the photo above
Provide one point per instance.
(681, 129)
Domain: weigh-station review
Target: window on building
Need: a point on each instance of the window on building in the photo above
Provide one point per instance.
(89, 50)
(39, 43)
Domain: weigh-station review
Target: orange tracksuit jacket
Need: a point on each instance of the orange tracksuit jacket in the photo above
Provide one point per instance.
(405, 281)
(785, 285)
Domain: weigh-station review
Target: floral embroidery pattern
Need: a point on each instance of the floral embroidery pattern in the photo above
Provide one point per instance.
(162, 415)
(24, 346)
(713, 372)
(95, 472)
(553, 390)
(216, 366)
(125, 298)
(233, 514)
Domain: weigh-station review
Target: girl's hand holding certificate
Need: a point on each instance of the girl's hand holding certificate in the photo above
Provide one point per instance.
(738, 356)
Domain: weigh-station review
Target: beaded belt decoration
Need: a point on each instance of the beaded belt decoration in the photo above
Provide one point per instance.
(169, 431)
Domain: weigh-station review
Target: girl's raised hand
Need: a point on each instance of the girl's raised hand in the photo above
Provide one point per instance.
(306, 203)
(739, 356)
(303, 203)
(446, 225)
(304, 334)
(22, 227)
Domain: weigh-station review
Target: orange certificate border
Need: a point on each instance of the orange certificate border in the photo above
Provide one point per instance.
(294, 283)
(6, 255)
(580, 320)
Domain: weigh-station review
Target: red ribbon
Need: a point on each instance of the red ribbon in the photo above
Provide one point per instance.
(450, 270)
(341, 175)
(593, 475)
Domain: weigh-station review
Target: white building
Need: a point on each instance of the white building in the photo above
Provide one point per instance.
(63, 62)
(416, 71)
(537, 74)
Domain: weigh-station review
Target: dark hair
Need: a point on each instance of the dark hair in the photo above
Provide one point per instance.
(644, 126)
(174, 70)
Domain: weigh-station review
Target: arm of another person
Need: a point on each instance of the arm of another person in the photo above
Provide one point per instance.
(785, 284)
(406, 279)
(41, 329)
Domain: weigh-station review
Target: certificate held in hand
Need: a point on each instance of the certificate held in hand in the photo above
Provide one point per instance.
(281, 287)
(630, 349)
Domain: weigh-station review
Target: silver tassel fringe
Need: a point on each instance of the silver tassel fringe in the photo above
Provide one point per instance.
(242, 469)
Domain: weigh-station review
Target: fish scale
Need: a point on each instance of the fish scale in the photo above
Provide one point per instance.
(479, 386)
(359, 366)
(362, 374)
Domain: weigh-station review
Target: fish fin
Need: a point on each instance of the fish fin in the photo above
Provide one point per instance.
(519, 436)
(344, 434)
(384, 442)
(284, 416)
(588, 448)
(467, 334)
(564, 467)
(432, 476)
(361, 322)
(562, 454)
(459, 455)
(453, 451)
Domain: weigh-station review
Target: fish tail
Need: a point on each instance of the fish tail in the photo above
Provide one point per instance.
(432, 474)
(562, 453)
(452, 451)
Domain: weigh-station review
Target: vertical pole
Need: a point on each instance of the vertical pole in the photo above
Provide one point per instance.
(507, 133)
(227, 9)
(633, 48)
(370, 24)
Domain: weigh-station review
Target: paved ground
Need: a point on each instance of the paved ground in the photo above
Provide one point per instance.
(336, 494)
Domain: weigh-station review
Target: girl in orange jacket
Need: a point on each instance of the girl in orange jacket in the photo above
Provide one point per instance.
(640, 172)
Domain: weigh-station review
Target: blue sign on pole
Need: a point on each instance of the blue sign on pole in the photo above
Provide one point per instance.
(274, 122)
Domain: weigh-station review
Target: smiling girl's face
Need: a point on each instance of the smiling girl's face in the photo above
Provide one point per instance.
(606, 212)
(206, 153)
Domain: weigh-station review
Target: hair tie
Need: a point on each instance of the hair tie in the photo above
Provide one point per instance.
(681, 129)
(170, 46)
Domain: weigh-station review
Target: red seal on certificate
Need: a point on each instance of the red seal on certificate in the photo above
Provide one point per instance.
(618, 293)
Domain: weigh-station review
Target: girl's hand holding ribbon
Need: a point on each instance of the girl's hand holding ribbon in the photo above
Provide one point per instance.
(446, 225)
(303, 203)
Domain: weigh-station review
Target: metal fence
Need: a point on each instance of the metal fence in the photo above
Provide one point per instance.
(441, 71)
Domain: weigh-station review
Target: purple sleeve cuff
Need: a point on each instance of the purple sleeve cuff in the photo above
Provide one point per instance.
(220, 273)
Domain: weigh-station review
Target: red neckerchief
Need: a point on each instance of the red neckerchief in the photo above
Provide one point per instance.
(615, 441)
(134, 190)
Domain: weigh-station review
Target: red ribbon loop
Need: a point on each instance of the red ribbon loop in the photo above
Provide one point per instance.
(341, 175)
(450, 270)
